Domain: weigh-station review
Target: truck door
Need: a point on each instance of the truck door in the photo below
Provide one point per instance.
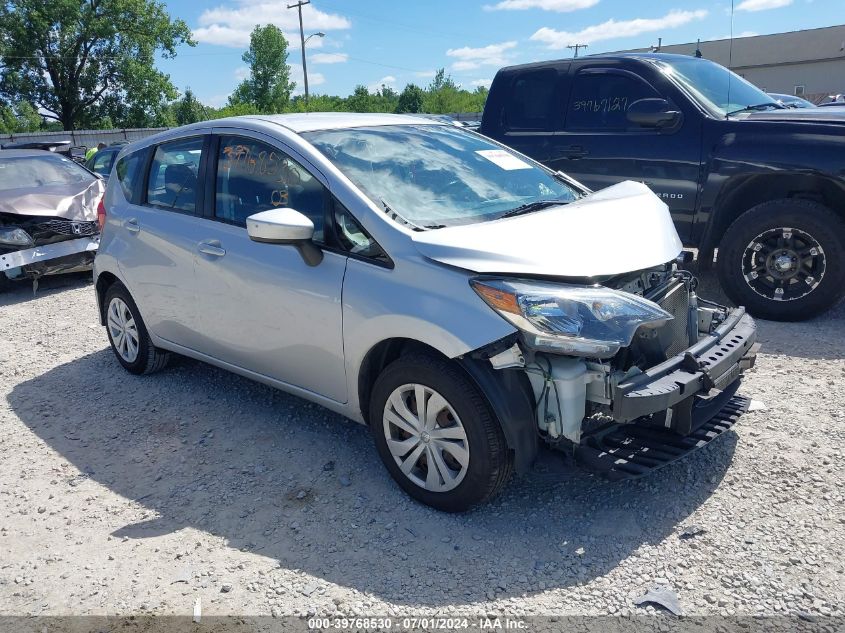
(600, 147)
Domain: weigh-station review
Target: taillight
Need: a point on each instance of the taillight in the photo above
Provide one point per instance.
(101, 213)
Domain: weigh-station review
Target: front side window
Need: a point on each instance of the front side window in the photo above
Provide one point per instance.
(253, 176)
(45, 170)
(432, 176)
(173, 181)
(599, 101)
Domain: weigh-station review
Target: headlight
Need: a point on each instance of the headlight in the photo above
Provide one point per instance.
(15, 237)
(576, 320)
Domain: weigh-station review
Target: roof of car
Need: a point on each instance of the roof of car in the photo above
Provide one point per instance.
(27, 153)
(338, 120)
(598, 57)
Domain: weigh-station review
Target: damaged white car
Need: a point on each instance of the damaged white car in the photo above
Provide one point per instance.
(48, 215)
(462, 300)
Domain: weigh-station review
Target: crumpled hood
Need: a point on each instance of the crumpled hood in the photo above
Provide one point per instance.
(620, 229)
(76, 202)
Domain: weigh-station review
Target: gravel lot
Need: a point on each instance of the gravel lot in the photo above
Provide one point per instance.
(121, 494)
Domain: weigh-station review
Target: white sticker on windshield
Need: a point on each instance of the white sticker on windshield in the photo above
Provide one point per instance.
(503, 159)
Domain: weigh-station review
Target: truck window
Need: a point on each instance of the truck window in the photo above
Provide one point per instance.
(599, 100)
(531, 101)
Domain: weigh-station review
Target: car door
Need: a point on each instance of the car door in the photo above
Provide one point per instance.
(600, 147)
(159, 227)
(261, 306)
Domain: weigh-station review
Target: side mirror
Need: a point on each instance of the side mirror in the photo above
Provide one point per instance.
(654, 113)
(285, 226)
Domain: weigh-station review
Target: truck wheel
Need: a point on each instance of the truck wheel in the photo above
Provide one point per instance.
(436, 434)
(128, 335)
(783, 260)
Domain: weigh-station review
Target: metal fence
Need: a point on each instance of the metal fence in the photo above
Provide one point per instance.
(87, 138)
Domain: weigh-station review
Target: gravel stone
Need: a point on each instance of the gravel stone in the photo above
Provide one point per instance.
(197, 468)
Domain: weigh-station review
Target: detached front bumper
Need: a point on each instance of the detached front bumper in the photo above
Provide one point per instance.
(676, 407)
(47, 252)
(681, 392)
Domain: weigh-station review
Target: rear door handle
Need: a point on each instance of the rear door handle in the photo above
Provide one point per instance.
(212, 248)
(575, 151)
(132, 225)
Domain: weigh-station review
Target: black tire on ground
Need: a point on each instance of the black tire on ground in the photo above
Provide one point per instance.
(490, 464)
(5, 283)
(150, 359)
(805, 216)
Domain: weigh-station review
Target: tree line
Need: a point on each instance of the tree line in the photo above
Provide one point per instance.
(90, 64)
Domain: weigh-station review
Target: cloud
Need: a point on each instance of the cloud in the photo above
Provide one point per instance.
(481, 82)
(613, 29)
(426, 74)
(241, 73)
(387, 80)
(328, 58)
(314, 79)
(762, 5)
(231, 26)
(472, 58)
(560, 6)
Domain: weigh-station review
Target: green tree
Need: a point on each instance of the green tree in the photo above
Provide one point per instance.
(411, 99)
(188, 109)
(20, 117)
(268, 86)
(68, 57)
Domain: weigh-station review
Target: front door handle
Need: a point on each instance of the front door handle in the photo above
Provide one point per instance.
(212, 248)
(575, 151)
(132, 225)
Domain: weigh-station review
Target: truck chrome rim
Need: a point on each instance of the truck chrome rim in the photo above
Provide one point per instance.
(426, 437)
(123, 330)
(783, 264)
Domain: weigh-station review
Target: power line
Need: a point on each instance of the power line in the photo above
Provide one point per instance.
(577, 47)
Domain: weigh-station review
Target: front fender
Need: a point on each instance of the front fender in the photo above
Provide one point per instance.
(418, 300)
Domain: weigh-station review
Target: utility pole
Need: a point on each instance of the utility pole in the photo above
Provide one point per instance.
(577, 47)
(299, 6)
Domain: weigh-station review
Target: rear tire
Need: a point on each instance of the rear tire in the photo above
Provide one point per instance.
(784, 260)
(128, 335)
(459, 434)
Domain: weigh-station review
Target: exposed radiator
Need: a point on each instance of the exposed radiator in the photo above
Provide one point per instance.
(676, 303)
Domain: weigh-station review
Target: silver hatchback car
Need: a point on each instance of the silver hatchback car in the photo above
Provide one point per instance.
(462, 300)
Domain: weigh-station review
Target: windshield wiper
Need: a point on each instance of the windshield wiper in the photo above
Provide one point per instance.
(531, 207)
(755, 108)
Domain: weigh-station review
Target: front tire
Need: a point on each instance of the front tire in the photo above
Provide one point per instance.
(436, 435)
(128, 335)
(783, 260)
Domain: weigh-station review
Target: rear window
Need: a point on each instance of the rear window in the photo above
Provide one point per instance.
(531, 103)
(25, 172)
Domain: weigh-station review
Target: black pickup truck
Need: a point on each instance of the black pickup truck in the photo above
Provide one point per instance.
(763, 184)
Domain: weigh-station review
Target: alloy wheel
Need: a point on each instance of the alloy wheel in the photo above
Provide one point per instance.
(426, 438)
(123, 330)
(783, 264)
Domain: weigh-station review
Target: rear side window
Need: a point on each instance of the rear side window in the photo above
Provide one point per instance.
(253, 176)
(531, 103)
(599, 100)
(128, 173)
(173, 182)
